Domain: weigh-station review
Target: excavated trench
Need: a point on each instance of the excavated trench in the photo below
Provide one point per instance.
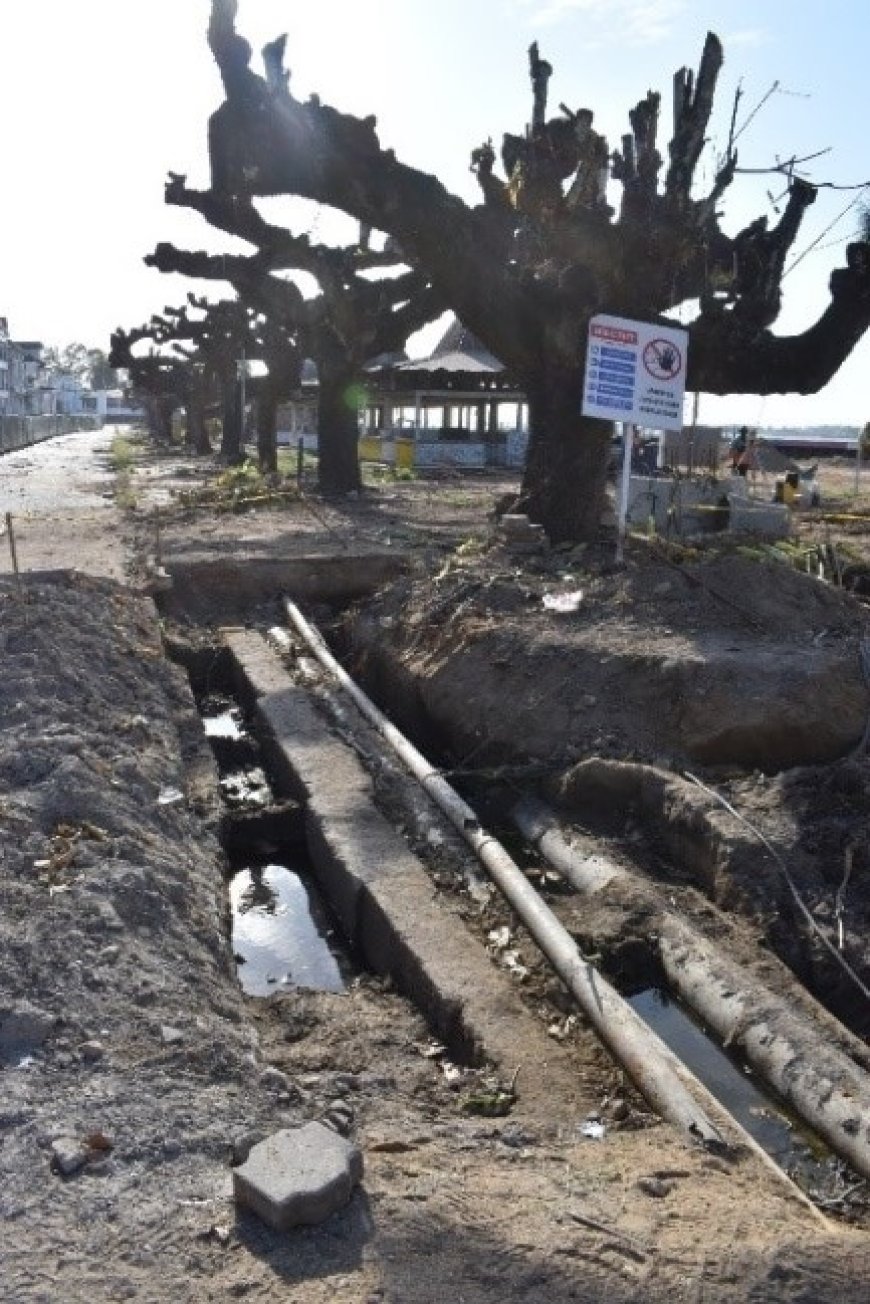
(766, 1119)
(632, 965)
(284, 934)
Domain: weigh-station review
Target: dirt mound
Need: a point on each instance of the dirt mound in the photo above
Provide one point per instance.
(710, 659)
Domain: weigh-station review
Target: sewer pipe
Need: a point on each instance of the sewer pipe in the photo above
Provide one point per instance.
(651, 1065)
(828, 1090)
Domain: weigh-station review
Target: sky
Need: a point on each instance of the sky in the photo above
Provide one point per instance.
(101, 98)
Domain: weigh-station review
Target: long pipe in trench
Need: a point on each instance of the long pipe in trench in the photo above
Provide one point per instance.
(650, 1064)
(828, 1091)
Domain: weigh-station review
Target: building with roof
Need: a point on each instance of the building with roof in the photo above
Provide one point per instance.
(458, 406)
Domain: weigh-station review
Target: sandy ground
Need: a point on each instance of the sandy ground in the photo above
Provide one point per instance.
(61, 499)
(135, 1053)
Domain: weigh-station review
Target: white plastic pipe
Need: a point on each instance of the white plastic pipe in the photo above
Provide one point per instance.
(822, 1084)
(653, 1068)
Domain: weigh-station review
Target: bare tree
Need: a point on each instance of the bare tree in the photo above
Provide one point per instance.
(353, 319)
(157, 381)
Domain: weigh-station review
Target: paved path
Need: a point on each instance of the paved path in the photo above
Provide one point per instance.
(59, 494)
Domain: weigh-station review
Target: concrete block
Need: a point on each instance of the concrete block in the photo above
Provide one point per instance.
(521, 535)
(769, 520)
(67, 1156)
(298, 1177)
(518, 528)
(381, 893)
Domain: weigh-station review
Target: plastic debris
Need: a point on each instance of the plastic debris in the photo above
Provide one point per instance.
(593, 1128)
(169, 796)
(499, 938)
(564, 603)
(511, 961)
(489, 1104)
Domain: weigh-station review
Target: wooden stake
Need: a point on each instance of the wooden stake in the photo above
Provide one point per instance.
(14, 552)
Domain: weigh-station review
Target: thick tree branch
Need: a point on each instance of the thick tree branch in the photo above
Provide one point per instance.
(760, 257)
(266, 145)
(375, 317)
(725, 358)
(692, 107)
(639, 164)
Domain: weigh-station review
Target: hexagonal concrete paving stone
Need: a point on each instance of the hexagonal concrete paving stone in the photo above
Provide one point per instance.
(298, 1176)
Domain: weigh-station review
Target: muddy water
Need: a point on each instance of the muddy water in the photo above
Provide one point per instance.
(225, 723)
(280, 934)
(243, 784)
(806, 1160)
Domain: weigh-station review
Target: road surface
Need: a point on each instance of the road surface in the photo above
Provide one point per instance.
(59, 495)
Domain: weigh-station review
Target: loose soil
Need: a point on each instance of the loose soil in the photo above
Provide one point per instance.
(130, 1056)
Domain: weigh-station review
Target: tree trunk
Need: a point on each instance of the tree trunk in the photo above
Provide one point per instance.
(165, 409)
(231, 438)
(267, 428)
(337, 432)
(197, 432)
(152, 408)
(566, 468)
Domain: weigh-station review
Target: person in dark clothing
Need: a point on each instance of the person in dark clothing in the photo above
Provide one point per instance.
(744, 452)
(738, 448)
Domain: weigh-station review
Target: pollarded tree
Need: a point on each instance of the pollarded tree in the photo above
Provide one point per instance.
(226, 336)
(176, 329)
(188, 356)
(157, 381)
(356, 315)
(528, 268)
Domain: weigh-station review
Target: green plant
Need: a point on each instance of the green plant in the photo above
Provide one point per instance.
(125, 495)
(376, 473)
(288, 462)
(121, 454)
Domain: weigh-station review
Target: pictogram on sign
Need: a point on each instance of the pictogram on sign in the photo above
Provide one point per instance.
(662, 359)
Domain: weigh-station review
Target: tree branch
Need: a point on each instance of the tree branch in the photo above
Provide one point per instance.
(726, 358)
(692, 108)
(760, 260)
(264, 145)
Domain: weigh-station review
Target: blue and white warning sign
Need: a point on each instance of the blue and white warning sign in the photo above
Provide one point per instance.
(636, 372)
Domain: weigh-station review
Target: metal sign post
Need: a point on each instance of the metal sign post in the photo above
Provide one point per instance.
(859, 457)
(13, 551)
(624, 488)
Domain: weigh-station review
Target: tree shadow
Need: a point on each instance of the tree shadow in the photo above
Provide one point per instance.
(421, 1259)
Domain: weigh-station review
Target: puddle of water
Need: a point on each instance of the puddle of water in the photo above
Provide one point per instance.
(225, 724)
(763, 1119)
(280, 931)
(243, 784)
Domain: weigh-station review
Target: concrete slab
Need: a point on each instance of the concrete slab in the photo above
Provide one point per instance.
(770, 520)
(299, 1176)
(224, 587)
(383, 895)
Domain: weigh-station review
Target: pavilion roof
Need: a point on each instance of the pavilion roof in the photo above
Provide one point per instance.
(459, 350)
